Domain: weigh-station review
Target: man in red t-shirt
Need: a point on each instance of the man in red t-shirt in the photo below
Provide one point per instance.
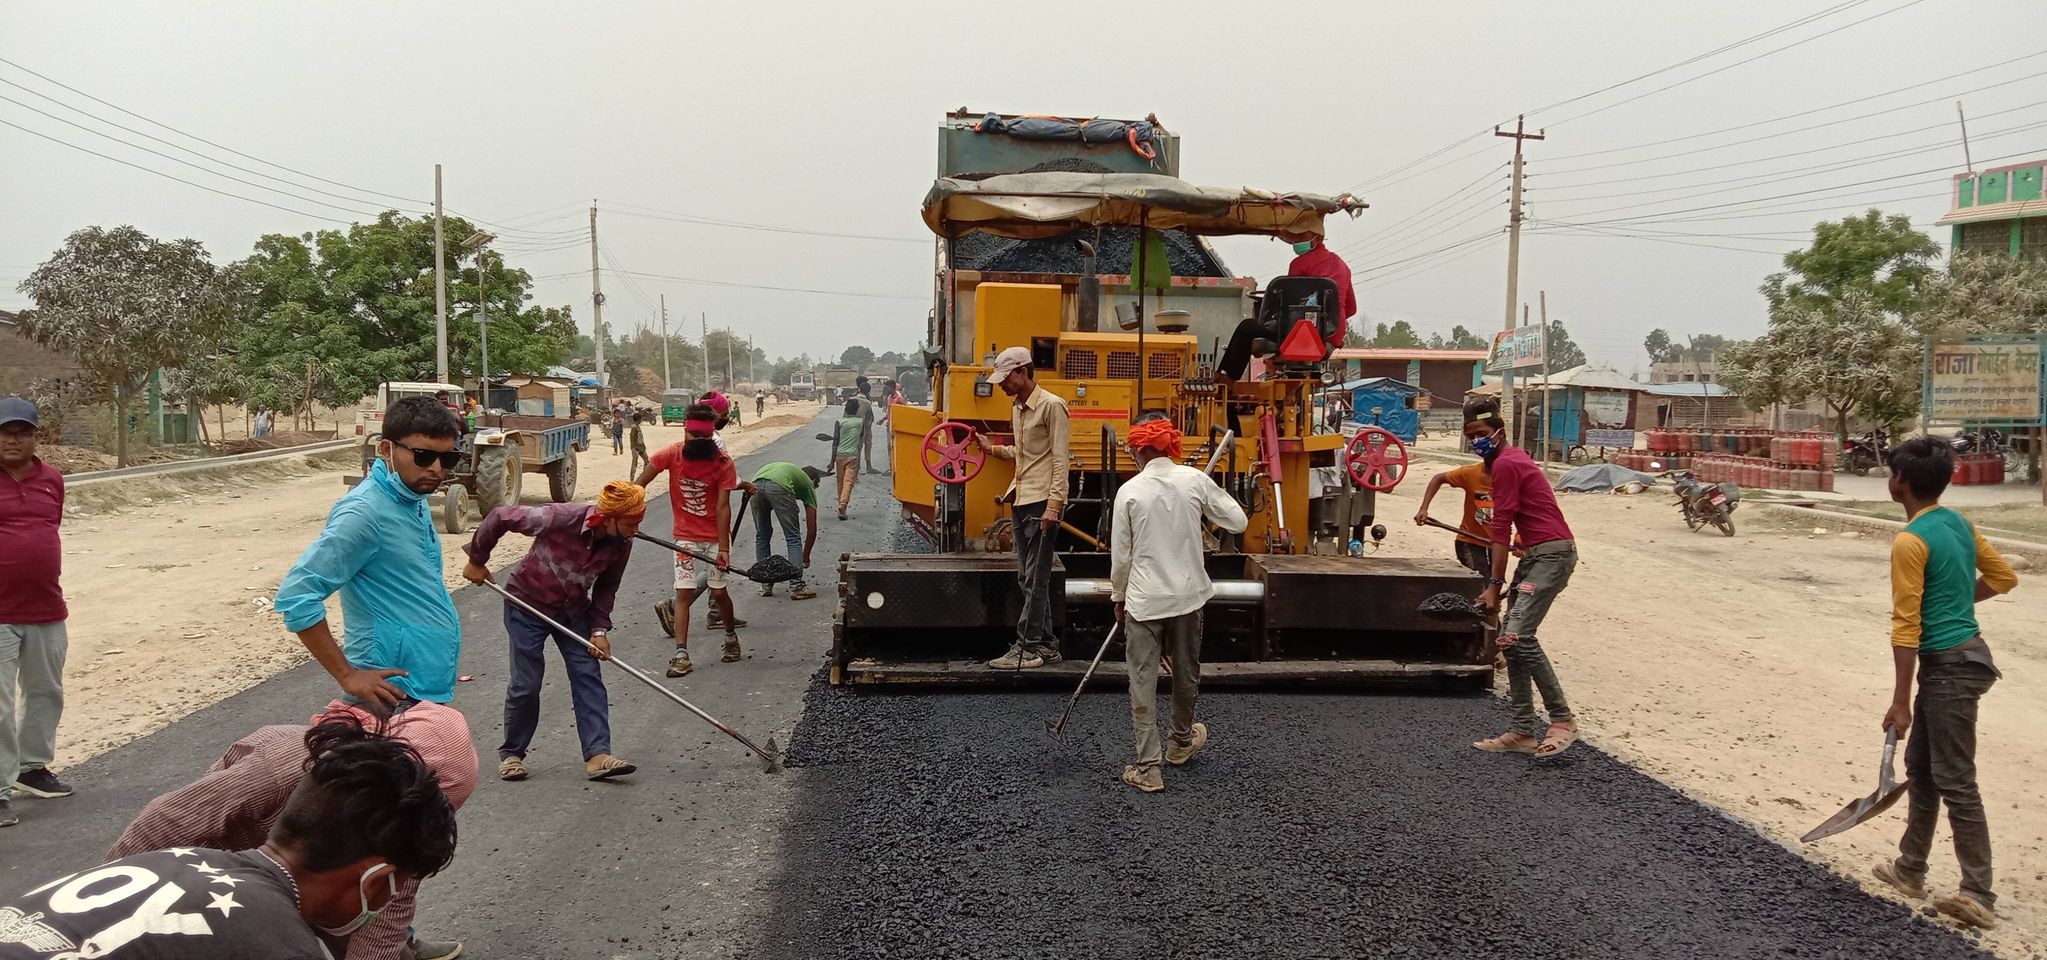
(699, 478)
(32, 612)
(1525, 512)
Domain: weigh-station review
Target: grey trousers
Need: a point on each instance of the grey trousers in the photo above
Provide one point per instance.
(1034, 576)
(32, 656)
(1544, 571)
(1940, 757)
(1143, 641)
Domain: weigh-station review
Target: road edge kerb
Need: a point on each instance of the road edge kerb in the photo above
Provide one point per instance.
(174, 468)
(1834, 520)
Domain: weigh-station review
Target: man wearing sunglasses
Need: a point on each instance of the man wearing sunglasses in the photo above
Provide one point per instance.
(380, 552)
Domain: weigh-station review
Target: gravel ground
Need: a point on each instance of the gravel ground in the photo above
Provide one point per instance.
(953, 825)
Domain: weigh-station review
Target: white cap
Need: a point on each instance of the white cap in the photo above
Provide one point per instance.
(1007, 362)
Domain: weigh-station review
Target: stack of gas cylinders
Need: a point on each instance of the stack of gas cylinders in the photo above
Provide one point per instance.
(1977, 468)
(1751, 458)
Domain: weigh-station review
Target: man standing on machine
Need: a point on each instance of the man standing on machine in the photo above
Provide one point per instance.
(1037, 497)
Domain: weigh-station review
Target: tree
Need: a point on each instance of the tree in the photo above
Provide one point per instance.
(1874, 254)
(1563, 353)
(1849, 354)
(339, 311)
(1353, 336)
(1983, 293)
(857, 357)
(1400, 334)
(1657, 344)
(1436, 341)
(621, 372)
(125, 304)
(1462, 339)
(785, 369)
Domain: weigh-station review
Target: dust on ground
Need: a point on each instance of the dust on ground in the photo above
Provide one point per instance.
(1752, 672)
(169, 579)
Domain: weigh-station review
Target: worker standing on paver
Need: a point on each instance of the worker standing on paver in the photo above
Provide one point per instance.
(1940, 569)
(1477, 483)
(579, 555)
(779, 490)
(1160, 584)
(700, 479)
(1037, 498)
(364, 821)
(847, 436)
(379, 550)
(33, 641)
(234, 805)
(1525, 510)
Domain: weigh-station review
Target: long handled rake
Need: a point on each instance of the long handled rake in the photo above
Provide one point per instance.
(1058, 727)
(767, 755)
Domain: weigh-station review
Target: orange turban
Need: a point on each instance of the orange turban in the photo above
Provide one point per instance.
(620, 499)
(1158, 435)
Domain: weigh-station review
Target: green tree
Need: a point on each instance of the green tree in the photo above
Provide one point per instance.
(1462, 339)
(1872, 254)
(1982, 293)
(1354, 335)
(1657, 344)
(1563, 352)
(1400, 334)
(1849, 354)
(125, 304)
(857, 357)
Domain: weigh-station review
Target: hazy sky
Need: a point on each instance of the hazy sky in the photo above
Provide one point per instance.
(822, 116)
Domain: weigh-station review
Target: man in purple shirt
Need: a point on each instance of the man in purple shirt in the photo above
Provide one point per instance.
(32, 612)
(1524, 504)
(579, 555)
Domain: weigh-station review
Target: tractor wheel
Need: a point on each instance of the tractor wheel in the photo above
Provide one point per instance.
(454, 499)
(561, 478)
(499, 476)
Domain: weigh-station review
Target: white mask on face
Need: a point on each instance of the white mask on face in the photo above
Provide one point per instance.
(367, 914)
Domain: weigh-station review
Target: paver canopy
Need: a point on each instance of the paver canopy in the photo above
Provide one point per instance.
(1033, 205)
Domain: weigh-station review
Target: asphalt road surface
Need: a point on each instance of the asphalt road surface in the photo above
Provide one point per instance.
(949, 825)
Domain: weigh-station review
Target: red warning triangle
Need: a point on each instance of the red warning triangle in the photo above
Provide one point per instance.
(1303, 344)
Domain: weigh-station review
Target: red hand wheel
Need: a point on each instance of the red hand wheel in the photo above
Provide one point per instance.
(950, 454)
(1378, 460)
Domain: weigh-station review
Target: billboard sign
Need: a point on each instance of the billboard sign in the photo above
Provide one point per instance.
(1517, 348)
(1989, 379)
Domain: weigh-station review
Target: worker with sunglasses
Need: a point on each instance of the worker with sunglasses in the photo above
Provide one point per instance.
(380, 552)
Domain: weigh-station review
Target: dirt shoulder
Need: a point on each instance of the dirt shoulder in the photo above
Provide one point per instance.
(1752, 672)
(169, 579)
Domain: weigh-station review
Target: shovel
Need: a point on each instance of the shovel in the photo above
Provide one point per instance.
(1867, 808)
(773, 568)
(766, 756)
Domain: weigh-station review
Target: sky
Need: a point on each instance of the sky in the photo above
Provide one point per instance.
(1649, 207)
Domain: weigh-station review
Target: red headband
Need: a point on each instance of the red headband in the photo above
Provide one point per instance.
(695, 426)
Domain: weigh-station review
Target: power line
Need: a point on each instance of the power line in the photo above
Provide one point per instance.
(167, 176)
(748, 286)
(1392, 228)
(651, 213)
(1419, 270)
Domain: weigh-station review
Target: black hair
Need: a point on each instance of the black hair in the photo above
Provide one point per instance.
(699, 411)
(420, 417)
(366, 795)
(814, 473)
(1926, 465)
(852, 406)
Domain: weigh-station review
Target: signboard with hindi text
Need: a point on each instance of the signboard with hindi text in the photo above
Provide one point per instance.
(1516, 349)
(1990, 380)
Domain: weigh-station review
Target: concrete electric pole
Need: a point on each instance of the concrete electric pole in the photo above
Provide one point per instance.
(1519, 135)
(704, 329)
(667, 379)
(596, 299)
(440, 287)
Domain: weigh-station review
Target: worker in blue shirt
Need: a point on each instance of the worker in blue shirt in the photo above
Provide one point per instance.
(380, 552)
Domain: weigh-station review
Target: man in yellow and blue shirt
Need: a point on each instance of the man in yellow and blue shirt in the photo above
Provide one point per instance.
(1940, 569)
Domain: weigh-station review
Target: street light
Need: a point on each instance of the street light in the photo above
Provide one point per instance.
(477, 241)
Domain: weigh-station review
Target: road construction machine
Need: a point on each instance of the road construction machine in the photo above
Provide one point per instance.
(1300, 596)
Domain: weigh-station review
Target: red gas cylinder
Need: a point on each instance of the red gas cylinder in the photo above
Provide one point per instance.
(1996, 469)
(1961, 474)
(1814, 450)
(1827, 481)
(1830, 452)
(1777, 448)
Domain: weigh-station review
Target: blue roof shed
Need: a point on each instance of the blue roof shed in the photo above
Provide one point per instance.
(1385, 403)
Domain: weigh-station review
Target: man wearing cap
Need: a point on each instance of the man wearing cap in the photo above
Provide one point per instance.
(1037, 498)
(1160, 584)
(579, 555)
(32, 611)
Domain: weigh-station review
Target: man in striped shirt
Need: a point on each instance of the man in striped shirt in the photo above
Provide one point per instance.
(1940, 569)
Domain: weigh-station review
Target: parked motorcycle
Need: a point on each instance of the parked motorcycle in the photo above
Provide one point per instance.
(1704, 503)
(1992, 441)
(1862, 453)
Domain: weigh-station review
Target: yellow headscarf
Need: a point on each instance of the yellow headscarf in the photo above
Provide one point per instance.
(619, 500)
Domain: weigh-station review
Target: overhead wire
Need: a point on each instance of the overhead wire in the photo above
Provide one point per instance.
(653, 213)
(167, 176)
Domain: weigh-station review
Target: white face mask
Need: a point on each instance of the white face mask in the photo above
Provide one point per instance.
(367, 914)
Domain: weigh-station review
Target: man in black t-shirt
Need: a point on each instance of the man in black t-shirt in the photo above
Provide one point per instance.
(367, 817)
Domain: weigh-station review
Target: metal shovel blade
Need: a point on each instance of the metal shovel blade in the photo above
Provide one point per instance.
(1869, 807)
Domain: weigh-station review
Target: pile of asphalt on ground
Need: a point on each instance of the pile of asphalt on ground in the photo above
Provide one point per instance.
(950, 825)
(1114, 246)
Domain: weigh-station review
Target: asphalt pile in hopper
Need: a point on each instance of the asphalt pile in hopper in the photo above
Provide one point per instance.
(1113, 248)
(950, 825)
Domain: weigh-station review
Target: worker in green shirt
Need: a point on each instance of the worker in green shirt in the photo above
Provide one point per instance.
(847, 437)
(1940, 569)
(777, 490)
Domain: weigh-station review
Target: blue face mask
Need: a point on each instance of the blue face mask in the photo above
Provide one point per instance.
(1303, 247)
(1485, 446)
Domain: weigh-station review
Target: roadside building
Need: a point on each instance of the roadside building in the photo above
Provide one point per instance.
(1443, 376)
(2000, 210)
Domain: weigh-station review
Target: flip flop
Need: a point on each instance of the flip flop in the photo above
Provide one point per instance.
(512, 768)
(1557, 740)
(611, 767)
(1502, 743)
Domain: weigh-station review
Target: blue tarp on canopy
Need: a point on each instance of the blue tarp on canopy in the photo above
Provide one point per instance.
(1394, 401)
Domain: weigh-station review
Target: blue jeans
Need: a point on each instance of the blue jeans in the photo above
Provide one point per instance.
(522, 694)
(775, 501)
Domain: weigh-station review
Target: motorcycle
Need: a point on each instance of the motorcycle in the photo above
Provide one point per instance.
(1991, 441)
(1704, 503)
(1864, 452)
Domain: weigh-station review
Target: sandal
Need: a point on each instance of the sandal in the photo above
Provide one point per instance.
(1558, 739)
(1513, 741)
(1134, 779)
(608, 767)
(512, 768)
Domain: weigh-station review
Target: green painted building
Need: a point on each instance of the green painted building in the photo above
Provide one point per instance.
(2000, 210)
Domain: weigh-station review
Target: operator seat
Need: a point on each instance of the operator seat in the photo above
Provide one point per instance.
(1285, 317)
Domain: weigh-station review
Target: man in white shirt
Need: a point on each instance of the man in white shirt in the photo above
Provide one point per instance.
(1160, 585)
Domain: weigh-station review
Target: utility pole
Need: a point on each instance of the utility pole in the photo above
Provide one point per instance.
(1519, 135)
(440, 286)
(1542, 299)
(728, 361)
(1967, 164)
(596, 297)
(750, 372)
(668, 379)
(704, 330)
